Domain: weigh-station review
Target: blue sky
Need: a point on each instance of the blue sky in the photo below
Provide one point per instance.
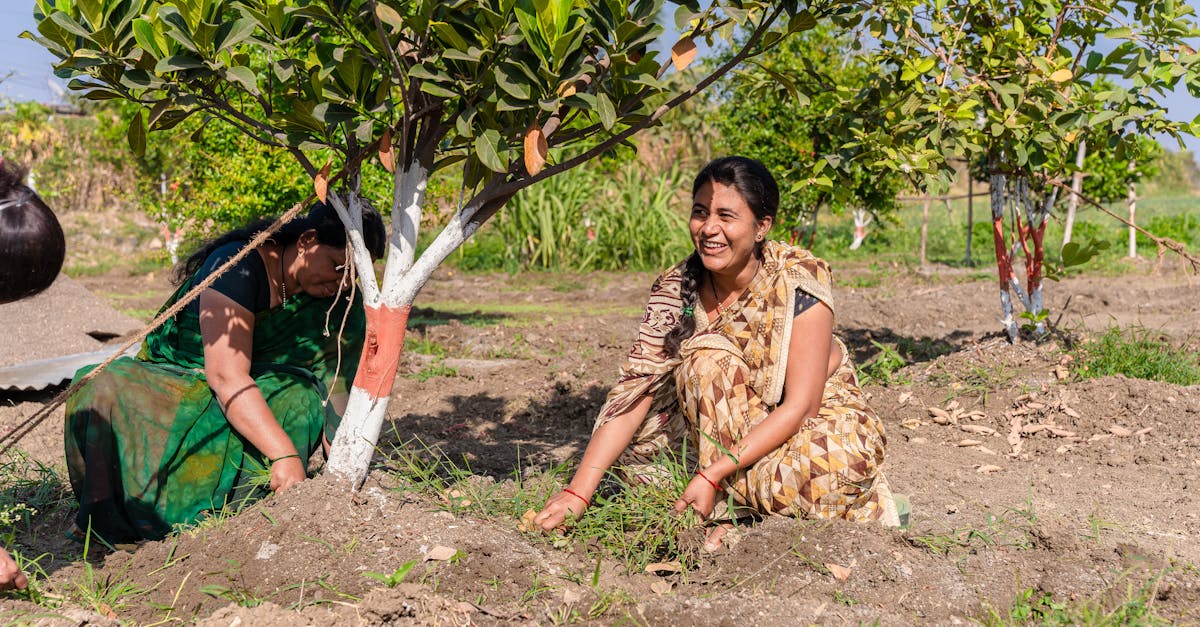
(31, 73)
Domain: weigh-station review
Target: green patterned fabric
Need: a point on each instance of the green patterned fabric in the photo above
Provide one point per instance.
(148, 446)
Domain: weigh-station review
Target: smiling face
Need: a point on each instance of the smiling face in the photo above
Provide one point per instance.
(724, 230)
(320, 268)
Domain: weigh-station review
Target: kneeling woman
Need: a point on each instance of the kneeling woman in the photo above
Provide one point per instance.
(233, 394)
(736, 357)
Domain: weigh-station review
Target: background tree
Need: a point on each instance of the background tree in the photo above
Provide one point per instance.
(783, 109)
(1015, 83)
(485, 86)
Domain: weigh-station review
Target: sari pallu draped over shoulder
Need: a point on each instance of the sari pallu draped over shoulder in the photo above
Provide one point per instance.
(148, 445)
(759, 323)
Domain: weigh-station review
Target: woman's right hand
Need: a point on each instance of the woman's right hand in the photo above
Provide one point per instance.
(10, 575)
(286, 473)
(557, 508)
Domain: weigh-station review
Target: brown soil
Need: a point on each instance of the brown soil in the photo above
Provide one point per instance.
(1095, 499)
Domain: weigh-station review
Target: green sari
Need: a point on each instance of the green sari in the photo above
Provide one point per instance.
(148, 446)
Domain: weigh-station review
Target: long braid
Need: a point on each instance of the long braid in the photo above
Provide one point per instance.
(689, 291)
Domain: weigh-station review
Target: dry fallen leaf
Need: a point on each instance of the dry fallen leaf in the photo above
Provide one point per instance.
(1032, 429)
(988, 469)
(1070, 412)
(965, 443)
(1062, 433)
(683, 53)
(661, 586)
(1119, 431)
(526, 523)
(659, 568)
(981, 429)
(1099, 436)
(1035, 405)
(910, 423)
(440, 554)
(1061, 373)
(1143, 431)
(940, 416)
(839, 572)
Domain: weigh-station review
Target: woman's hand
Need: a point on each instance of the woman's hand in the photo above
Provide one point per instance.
(700, 495)
(558, 508)
(10, 575)
(286, 473)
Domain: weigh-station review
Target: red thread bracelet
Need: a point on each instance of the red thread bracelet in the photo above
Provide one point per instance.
(586, 503)
(710, 481)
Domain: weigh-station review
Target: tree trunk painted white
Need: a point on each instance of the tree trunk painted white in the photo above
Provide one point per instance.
(999, 194)
(1132, 199)
(387, 314)
(1076, 190)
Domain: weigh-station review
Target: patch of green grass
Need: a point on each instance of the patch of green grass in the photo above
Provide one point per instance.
(436, 369)
(1038, 607)
(632, 523)
(1136, 353)
(884, 368)
(28, 488)
(978, 381)
(1011, 528)
(423, 345)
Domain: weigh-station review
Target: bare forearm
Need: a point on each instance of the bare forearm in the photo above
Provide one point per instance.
(763, 438)
(605, 446)
(248, 413)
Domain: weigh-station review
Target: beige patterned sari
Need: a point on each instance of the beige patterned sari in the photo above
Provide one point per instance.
(728, 378)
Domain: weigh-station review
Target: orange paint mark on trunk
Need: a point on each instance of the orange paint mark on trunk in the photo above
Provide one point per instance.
(382, 349)
(1003, 264)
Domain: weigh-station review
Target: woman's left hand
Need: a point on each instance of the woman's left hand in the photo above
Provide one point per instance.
(699, 495)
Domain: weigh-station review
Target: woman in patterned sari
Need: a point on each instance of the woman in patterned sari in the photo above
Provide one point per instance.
(736, 359)
(231, 396)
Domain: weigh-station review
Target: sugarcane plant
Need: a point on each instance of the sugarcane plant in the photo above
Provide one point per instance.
(414, 86)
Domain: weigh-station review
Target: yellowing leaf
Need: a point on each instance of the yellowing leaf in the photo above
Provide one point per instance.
(1062, 76)
(567, 89)
(683, 53)
(527, 523)
(389, 16)
(536, 149)
(321, 182)
(386, 156)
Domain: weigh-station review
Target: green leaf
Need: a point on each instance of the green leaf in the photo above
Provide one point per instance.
(487, 148)
(448, 34)
(178, 62)
(233, 33)
(606, 111)
(245, 77)
(137, 134)
(143, 33)
(802, 21)
(512, 83)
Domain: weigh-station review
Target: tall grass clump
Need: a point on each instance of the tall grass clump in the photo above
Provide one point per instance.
(587, 219)
(1136, 353)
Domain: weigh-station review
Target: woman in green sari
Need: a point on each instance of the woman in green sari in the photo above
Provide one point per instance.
(231, 396)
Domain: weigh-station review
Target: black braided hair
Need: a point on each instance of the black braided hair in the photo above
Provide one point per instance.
(758, 188)
(321, 217)
(689, 291)
(32, 245)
